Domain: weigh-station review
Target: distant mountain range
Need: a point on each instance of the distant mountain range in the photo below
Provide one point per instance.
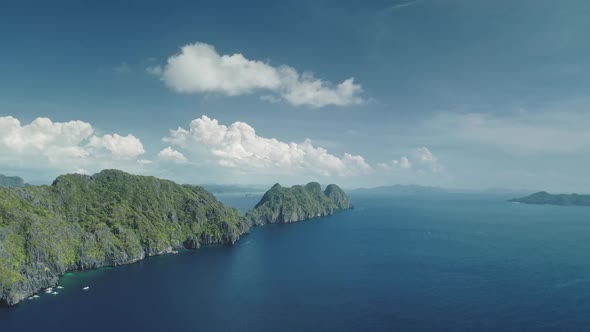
(232, 188)
(399, 189)
(545, 198)
(412, 189)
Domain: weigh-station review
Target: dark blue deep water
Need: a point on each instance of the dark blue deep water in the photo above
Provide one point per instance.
(452, 263)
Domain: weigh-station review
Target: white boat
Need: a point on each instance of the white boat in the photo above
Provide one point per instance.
(49, 290)
(86, 288)
(30, 297)
(35, 296)
(60, 287)
(54, 293)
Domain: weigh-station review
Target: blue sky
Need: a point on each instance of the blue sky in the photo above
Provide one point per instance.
(468, 94)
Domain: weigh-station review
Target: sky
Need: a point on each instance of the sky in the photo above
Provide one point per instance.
(454, 93)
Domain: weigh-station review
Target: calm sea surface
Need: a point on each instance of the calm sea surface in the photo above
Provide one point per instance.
(452, 263)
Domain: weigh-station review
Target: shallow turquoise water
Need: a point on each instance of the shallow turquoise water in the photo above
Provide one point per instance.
(448, 263)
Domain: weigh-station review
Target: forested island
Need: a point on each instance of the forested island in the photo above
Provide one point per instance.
(11, 181)
(112, 218)
(543, 197)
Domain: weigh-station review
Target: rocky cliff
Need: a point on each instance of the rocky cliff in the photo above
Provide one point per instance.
(111, 218)
(284, 205)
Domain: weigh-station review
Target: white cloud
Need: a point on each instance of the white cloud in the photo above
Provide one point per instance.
(169, 154)
(422, 158)
(306, 90)
(65, 145)
(119, 146)
(198, 68)
(82, 171)
(402, 164)
(238, 146)
(426, 157)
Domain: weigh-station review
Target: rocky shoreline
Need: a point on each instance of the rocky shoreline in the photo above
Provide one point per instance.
(113, 218)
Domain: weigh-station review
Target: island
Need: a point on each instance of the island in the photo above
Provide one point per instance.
(111, 218)
(11, 181)
(400, 189)
(543, 197)
(285, 205)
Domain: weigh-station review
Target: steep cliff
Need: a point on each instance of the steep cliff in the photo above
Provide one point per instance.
(111, 218)
(284, 205)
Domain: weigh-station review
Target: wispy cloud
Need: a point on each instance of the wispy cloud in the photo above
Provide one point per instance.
(521, 132)
(400, 6)
(122, 68)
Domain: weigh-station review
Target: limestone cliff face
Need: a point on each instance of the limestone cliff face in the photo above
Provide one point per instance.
(113, 218)
(285, 205)
(108, 219)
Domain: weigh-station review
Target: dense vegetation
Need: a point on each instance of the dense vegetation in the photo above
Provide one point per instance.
(112, 218)
(543, 197)
(283, 205)
(11, 181)
(108, 219)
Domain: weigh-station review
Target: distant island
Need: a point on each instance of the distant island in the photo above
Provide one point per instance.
(231, 189)
(285, 205)
(11, 181)
(543, 197)
(419, 190)
(400, 189)
(112, 218)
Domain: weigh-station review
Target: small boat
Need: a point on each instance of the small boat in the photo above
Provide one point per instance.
(60, 287)
(35, 296)
(49, 290)
(30, 297)
(86, 288)
(54, 293)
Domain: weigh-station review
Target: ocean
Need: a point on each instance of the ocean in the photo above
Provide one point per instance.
(394, 263)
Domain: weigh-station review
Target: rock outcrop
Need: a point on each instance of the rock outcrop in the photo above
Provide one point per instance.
(112, 218)
(285, 205)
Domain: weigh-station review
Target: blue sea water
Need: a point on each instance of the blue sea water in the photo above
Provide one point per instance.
(447, 263)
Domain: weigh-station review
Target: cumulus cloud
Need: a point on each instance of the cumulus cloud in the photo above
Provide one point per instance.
(169, 154)
(119, 146)
(402, 163)
(62, 144)
(199, 68)
(425, 156)
(422, 158)
(238, 146)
